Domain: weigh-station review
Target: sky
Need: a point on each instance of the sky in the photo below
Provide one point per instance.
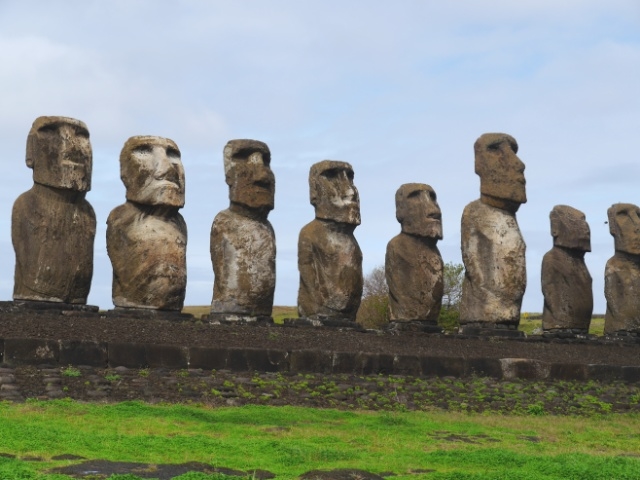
(401, 90)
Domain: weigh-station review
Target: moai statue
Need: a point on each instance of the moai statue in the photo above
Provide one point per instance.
(146, 236)
(493, 250)
(52, 225)
(329, 257)
(243, 244)
(413, 264)
(622, 273)
(566, 283)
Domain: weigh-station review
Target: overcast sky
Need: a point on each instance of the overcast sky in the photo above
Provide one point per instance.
(401, 90)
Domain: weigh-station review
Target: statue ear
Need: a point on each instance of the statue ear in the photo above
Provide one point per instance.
(555, 224)
(228, 177)
(313, 191)
(31, 147)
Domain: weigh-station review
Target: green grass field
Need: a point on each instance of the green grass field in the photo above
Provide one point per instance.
(289, 441)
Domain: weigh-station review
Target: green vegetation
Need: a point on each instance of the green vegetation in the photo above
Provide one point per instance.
(374, 307)
(289, 441)
(278, 313)
(71, 371)
(533, 321)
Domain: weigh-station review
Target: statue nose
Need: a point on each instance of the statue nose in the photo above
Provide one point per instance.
(165, 168)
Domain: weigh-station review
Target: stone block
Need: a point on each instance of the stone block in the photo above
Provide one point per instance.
(130, 355)
(374, 363)
(631, 374)
(279, 359)
(605, 373)
(237, 360)
(345, 362)
(167, 356)
(208, 358)
(407, 365)
(568, 371)
(30, 351)
(483, 367)
(257, 359)
(443, 366)
(315, 361)
(76, 352)
(524, 368)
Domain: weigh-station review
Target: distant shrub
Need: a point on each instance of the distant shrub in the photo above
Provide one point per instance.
(374, 308)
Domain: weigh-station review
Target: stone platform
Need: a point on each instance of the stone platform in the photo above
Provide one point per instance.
(107, 341)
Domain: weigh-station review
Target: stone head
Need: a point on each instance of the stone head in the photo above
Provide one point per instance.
(501, 171)
(418, 211)
(569, 228)
(333, 193)
(152, 171)
(59, 152)
(624, 225)
(247, 169)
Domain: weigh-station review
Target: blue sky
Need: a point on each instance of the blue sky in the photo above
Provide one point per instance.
(401, 91)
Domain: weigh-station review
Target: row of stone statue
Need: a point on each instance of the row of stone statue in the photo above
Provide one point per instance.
(53, 230)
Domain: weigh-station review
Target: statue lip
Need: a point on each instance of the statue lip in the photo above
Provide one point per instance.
(168, 182)
(69, 161)
(263, 184)
(345, 202)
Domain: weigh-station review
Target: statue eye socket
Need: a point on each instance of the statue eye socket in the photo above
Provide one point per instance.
(494, 146)
(82, 132)
(331, 173)
(414, 194)
(48, 129)
(143, 149)
(172, 152)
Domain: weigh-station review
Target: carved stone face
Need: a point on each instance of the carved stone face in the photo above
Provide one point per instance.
(501, 171)
(418, 211)
(333, 193)
(152, 171)
(249, 175)
(624, 225)
(570, 229)
(59, 152)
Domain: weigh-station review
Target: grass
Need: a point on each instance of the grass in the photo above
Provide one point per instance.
(279, 313)
(289, 441)
(532, 321)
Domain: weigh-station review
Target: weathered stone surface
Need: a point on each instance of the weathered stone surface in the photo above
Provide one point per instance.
(329, 257)
(566, 283)
(146, 236)
(493, 250)
(413, 264)
(622, 272)
(243, 248)
(52, 225)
